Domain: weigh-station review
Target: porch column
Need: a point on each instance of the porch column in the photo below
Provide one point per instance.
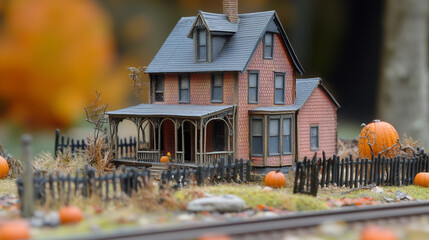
(196, 142)
(205, 142)
(201, 142)
(175, 139)
(183, 142)
(113, 131)
(139, 123)
(159, 140)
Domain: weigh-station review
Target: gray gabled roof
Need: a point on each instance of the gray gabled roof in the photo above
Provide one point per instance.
(170, 110)
(304, 89)
(177, 53)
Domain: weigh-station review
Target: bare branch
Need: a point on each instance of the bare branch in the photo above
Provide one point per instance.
(137, 79)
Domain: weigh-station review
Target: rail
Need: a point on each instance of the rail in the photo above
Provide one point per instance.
(244, 229)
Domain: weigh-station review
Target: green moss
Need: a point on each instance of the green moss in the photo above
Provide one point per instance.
(308, 203)
(255, 195)
(413, 191)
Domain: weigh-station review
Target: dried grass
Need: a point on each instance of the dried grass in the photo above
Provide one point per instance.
(65, 162)
(8, 186)
(348, 147)
(98, 154)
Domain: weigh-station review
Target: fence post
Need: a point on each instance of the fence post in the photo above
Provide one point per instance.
(248, 169)
(315, 169)
(324, 172)
(228, 169)
(241, 170)
(27, 207)
(200, 179)
(57, 141)
(297, 177)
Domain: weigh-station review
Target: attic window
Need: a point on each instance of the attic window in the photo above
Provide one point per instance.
(268, 45)
(202, 45)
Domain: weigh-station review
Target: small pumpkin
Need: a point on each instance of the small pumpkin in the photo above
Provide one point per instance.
(13, 230)
(165, 159)
(275, 179)
(422, 179)
(378, 137)
(4, 167)
(70, 214)
(377, 233)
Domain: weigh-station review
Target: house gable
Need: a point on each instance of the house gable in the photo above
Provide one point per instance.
(320, 111)
(275, 26)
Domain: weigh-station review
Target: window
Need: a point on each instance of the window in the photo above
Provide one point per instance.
(268, 46)
(314, 137)
(287, 140)
(184, 89)
(159, 87)
(217, 88)
(202, 44)
(279, 88)
(257, 136)
(253, 86)
(218, 135)
(274, 138)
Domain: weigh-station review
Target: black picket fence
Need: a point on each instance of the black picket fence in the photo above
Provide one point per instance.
(86, 183)
(357, 172)
(126, 146)
(220, 171)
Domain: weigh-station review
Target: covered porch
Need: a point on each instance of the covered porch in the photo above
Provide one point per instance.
(193, 134)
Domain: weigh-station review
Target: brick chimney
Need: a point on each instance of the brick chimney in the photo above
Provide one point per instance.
(230, 8)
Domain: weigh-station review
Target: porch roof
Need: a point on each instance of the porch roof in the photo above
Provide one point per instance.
(170, 110)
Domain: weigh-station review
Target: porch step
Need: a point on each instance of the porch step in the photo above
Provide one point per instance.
(156, 170)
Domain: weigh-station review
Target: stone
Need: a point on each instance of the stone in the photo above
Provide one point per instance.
(400, 195)
(267, 189)
(388, 199)
(222, 203)
(377, 190)
(36, 222)
(185, 217)
(51, 219)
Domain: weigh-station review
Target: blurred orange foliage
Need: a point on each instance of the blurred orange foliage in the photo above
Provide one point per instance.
(53, 55)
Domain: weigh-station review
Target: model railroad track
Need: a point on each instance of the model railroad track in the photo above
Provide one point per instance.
(274, 227)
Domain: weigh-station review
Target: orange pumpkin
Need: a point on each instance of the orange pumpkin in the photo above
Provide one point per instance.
(165, 159)
(422, 179)
(13, 230)
(4, 167)
(275, 179)
(377, 233)
(378, 137)
(214, 236)
(70, 214)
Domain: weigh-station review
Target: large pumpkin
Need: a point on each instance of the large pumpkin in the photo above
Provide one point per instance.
(275, 179)
(4, 167)
(165, 159)
(378, 137)
(14, 230)
(378, 233)
(422, 179)
(70, 214)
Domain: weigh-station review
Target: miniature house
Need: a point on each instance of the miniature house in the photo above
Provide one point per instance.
(225, 84)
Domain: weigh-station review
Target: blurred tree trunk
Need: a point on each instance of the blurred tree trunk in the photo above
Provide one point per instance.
(404, 86)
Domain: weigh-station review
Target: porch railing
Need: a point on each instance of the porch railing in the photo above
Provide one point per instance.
(211, 156)
(180, 157)
(148, 156)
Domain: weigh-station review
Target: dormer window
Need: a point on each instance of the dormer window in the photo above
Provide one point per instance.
(268, 45)
(202, 45)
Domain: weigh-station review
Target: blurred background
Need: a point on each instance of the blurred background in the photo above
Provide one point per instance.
(54, 54)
